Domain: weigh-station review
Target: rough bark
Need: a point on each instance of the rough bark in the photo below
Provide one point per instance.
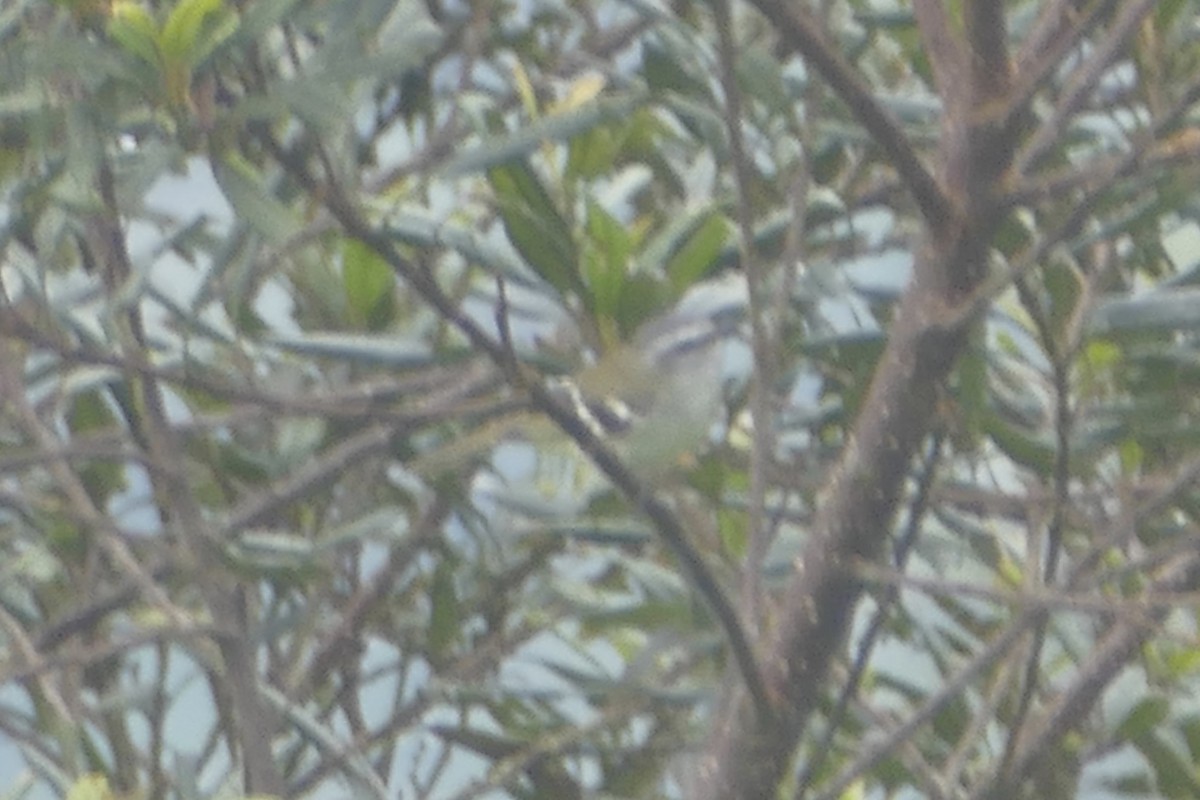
(749, 755)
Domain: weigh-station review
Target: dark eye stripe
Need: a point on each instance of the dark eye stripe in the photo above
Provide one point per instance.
(669, 338)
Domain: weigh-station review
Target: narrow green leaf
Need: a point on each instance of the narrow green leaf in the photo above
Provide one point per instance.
(1030, 452)
(659, 255)
(183, 28)
(972, 390)
(423, 231)
(1174, 774)
(615, 534)
(592, 153)
(886, 20)
(1143, 718)
(1183, 663)
(664, 72)
(606, 259)
(824, 205)
(262, 550)
(321, 101)
(132, 27)
(102, 478)
(703, 122)
(555, 128)
(601, 618)
(370, 285)
(444, 614)
(236, 463)
(1064, 285)
(535, 227)
(245, 190)
(377, 350)
(386, 523)
(1189, 726)
(215, 31)
(643, 297)
(699, 252)
(89, 413)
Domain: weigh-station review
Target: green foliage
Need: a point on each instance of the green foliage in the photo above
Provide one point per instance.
(535, 226)
(370, 286)
(261, 473)
(173, 50)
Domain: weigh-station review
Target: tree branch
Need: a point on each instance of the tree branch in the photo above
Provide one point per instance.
(855, 511)
(987, 43)
(1058, 29)
(1081, 83)
(801, 33)
(1038, 743)
(946, 53)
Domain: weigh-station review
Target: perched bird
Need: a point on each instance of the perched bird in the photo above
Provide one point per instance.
(659, 395)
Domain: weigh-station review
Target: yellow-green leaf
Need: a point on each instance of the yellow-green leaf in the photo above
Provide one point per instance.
(132, 27)
(183, 27)
(92, 786)
(369, 284)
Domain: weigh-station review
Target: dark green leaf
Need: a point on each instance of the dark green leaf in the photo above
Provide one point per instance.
(245, 190)
(606, 260)
(535, 227)
(445, 617)
(1032, 452)
(663, 71)
(1189, 726)
(554, 128)
(1143, 718)
(1174, 774)
(698, 253)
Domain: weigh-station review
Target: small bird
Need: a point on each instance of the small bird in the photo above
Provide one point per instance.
(659, 395)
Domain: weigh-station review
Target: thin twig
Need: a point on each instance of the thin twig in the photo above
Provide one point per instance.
(761, 346)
